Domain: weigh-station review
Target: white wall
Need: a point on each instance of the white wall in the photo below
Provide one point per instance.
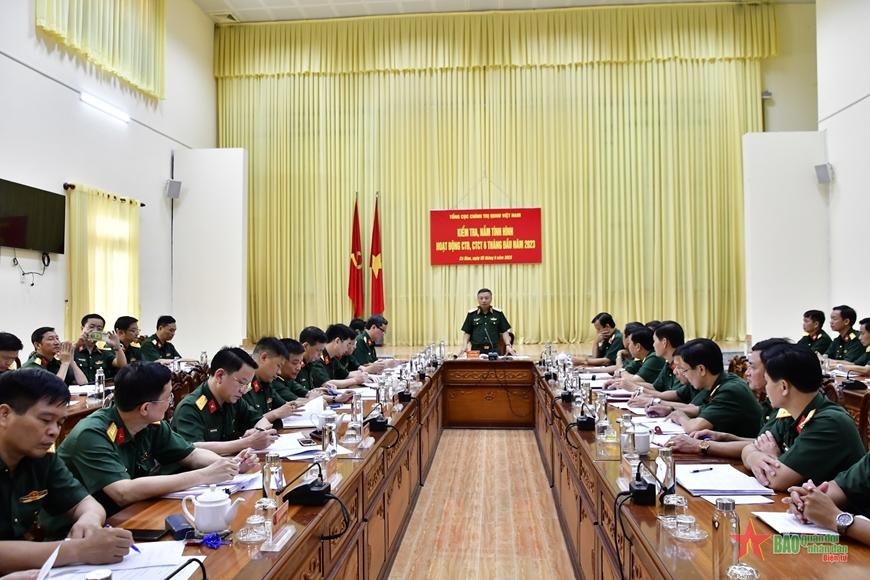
(786, 234)
(844, 114)
(210, 248)
(47, 137)
(791, 76)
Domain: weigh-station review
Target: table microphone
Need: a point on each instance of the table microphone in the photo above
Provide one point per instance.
(493, 354)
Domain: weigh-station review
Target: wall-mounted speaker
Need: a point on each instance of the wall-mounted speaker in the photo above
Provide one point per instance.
(824, 173)
(173, 188)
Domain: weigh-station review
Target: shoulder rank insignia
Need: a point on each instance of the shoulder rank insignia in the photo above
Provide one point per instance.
(850, 337)
(33, 496)
(806, 334)
(201, 402)
(112, 432)
(804, 420)
(495, 309)
(256, 385)
(212, 406)
(783, 414)
(474, 310)
(40, 361)
(135, 345)
(154, 341)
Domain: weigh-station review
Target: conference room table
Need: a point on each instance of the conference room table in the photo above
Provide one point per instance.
(380, 486)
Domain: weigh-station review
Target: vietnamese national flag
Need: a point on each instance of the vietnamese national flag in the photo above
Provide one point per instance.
(376, 264)
(355, 280)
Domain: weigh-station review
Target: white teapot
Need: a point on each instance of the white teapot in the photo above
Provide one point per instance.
(212, 510)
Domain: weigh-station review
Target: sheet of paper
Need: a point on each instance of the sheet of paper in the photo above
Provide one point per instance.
(739, 499)
(618, 394)
(81, 389)
(786, 523)
(305, 419)
(594, 376)
(666, 426)
(368, 391)
(46, 568)
(241, 482)
(191, 571)
(151, 555)
(624, 406)
(288, 445)
(717, 478)
(660, 440)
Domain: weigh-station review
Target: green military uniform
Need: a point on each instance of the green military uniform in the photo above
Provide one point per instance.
(631, 366)
(667, 379)
(132, 352)
(349, 362)
(89, 361)
(100, 451)
(485, 328)
(365, 353)
(855, 483)
(818, 342)
(730, 406)
(199, 417)
(650, 367)
(289, 389)
(155, 349)
(610, 348)
(864, 359)
(821, 442)
(688, 394)
(327, 368)
(37, 361)
(264, 398)
(42, 483)
(768, 415)
(847, 348)
(304, 376)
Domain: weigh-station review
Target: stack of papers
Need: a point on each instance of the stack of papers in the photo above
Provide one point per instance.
(368, 391)
(595, 376)
(665, 425)
(619, 394)
(288, 446)
(306, 419)
(241, 482)
(636, 410)
(154, 560)
(718, 478)
(739, 499)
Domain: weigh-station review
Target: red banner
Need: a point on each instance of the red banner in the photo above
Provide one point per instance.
(377, 266)
(355, 280)
(485, 236)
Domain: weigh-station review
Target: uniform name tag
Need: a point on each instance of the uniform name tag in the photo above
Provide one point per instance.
(213, 430)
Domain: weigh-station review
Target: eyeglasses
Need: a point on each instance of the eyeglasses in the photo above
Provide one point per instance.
(245, 386)
(170, 400)
(384, 329)
(683, 371)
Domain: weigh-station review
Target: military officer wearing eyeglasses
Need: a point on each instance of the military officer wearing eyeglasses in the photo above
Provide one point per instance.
(113, 451)
(216, 417)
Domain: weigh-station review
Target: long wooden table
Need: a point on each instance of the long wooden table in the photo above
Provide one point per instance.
(380, 487)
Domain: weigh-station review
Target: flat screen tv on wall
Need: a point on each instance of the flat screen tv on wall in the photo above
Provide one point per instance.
(31, 219)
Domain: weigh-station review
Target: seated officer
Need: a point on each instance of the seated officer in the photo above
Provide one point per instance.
(627, 364)
(484, 326)
(724, 403)
(358, 325)
(364, 352)
(286, 385)
(649, 365)
(54, 356)
(158, 346)
(127, 329)
(33, 404)
(818, 441)
(270, 355)
(845, 348)
(608, 342)
(327, 371)
(351, 364)
(215, 417)
(668, 336)
(114, 451)
(89, 356)
(861, 366)
(313, 340)
(815, 336)
(10, 347)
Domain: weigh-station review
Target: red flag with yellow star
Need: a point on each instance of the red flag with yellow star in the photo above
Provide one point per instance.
(376, 264)
(355, 281)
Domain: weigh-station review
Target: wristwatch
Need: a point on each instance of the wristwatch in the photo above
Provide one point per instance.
(844, 520)
(704, 445)
(657, 400)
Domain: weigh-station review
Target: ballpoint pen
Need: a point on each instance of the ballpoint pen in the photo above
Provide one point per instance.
(133, 546)
(700, 470)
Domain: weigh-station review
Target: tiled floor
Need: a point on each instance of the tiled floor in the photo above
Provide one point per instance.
(486, 511)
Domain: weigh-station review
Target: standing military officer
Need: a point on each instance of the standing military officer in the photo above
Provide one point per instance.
(484, 325)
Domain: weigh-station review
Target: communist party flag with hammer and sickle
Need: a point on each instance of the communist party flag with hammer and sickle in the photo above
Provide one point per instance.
(376, 264)
(355, 281)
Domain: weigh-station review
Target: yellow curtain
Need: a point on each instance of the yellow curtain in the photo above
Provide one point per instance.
(123, 37)
(103, 256)
(624, 127)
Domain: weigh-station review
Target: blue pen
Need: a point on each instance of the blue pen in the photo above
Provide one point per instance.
(700, 470)
(335, 406)
(131, 545)
(706, 437)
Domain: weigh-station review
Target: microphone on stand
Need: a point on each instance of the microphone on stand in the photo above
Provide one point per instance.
(493, 354)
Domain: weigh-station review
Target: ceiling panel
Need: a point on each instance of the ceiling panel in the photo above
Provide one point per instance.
(267, 10)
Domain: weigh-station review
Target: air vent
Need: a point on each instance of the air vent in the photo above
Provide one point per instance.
(224, 18)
